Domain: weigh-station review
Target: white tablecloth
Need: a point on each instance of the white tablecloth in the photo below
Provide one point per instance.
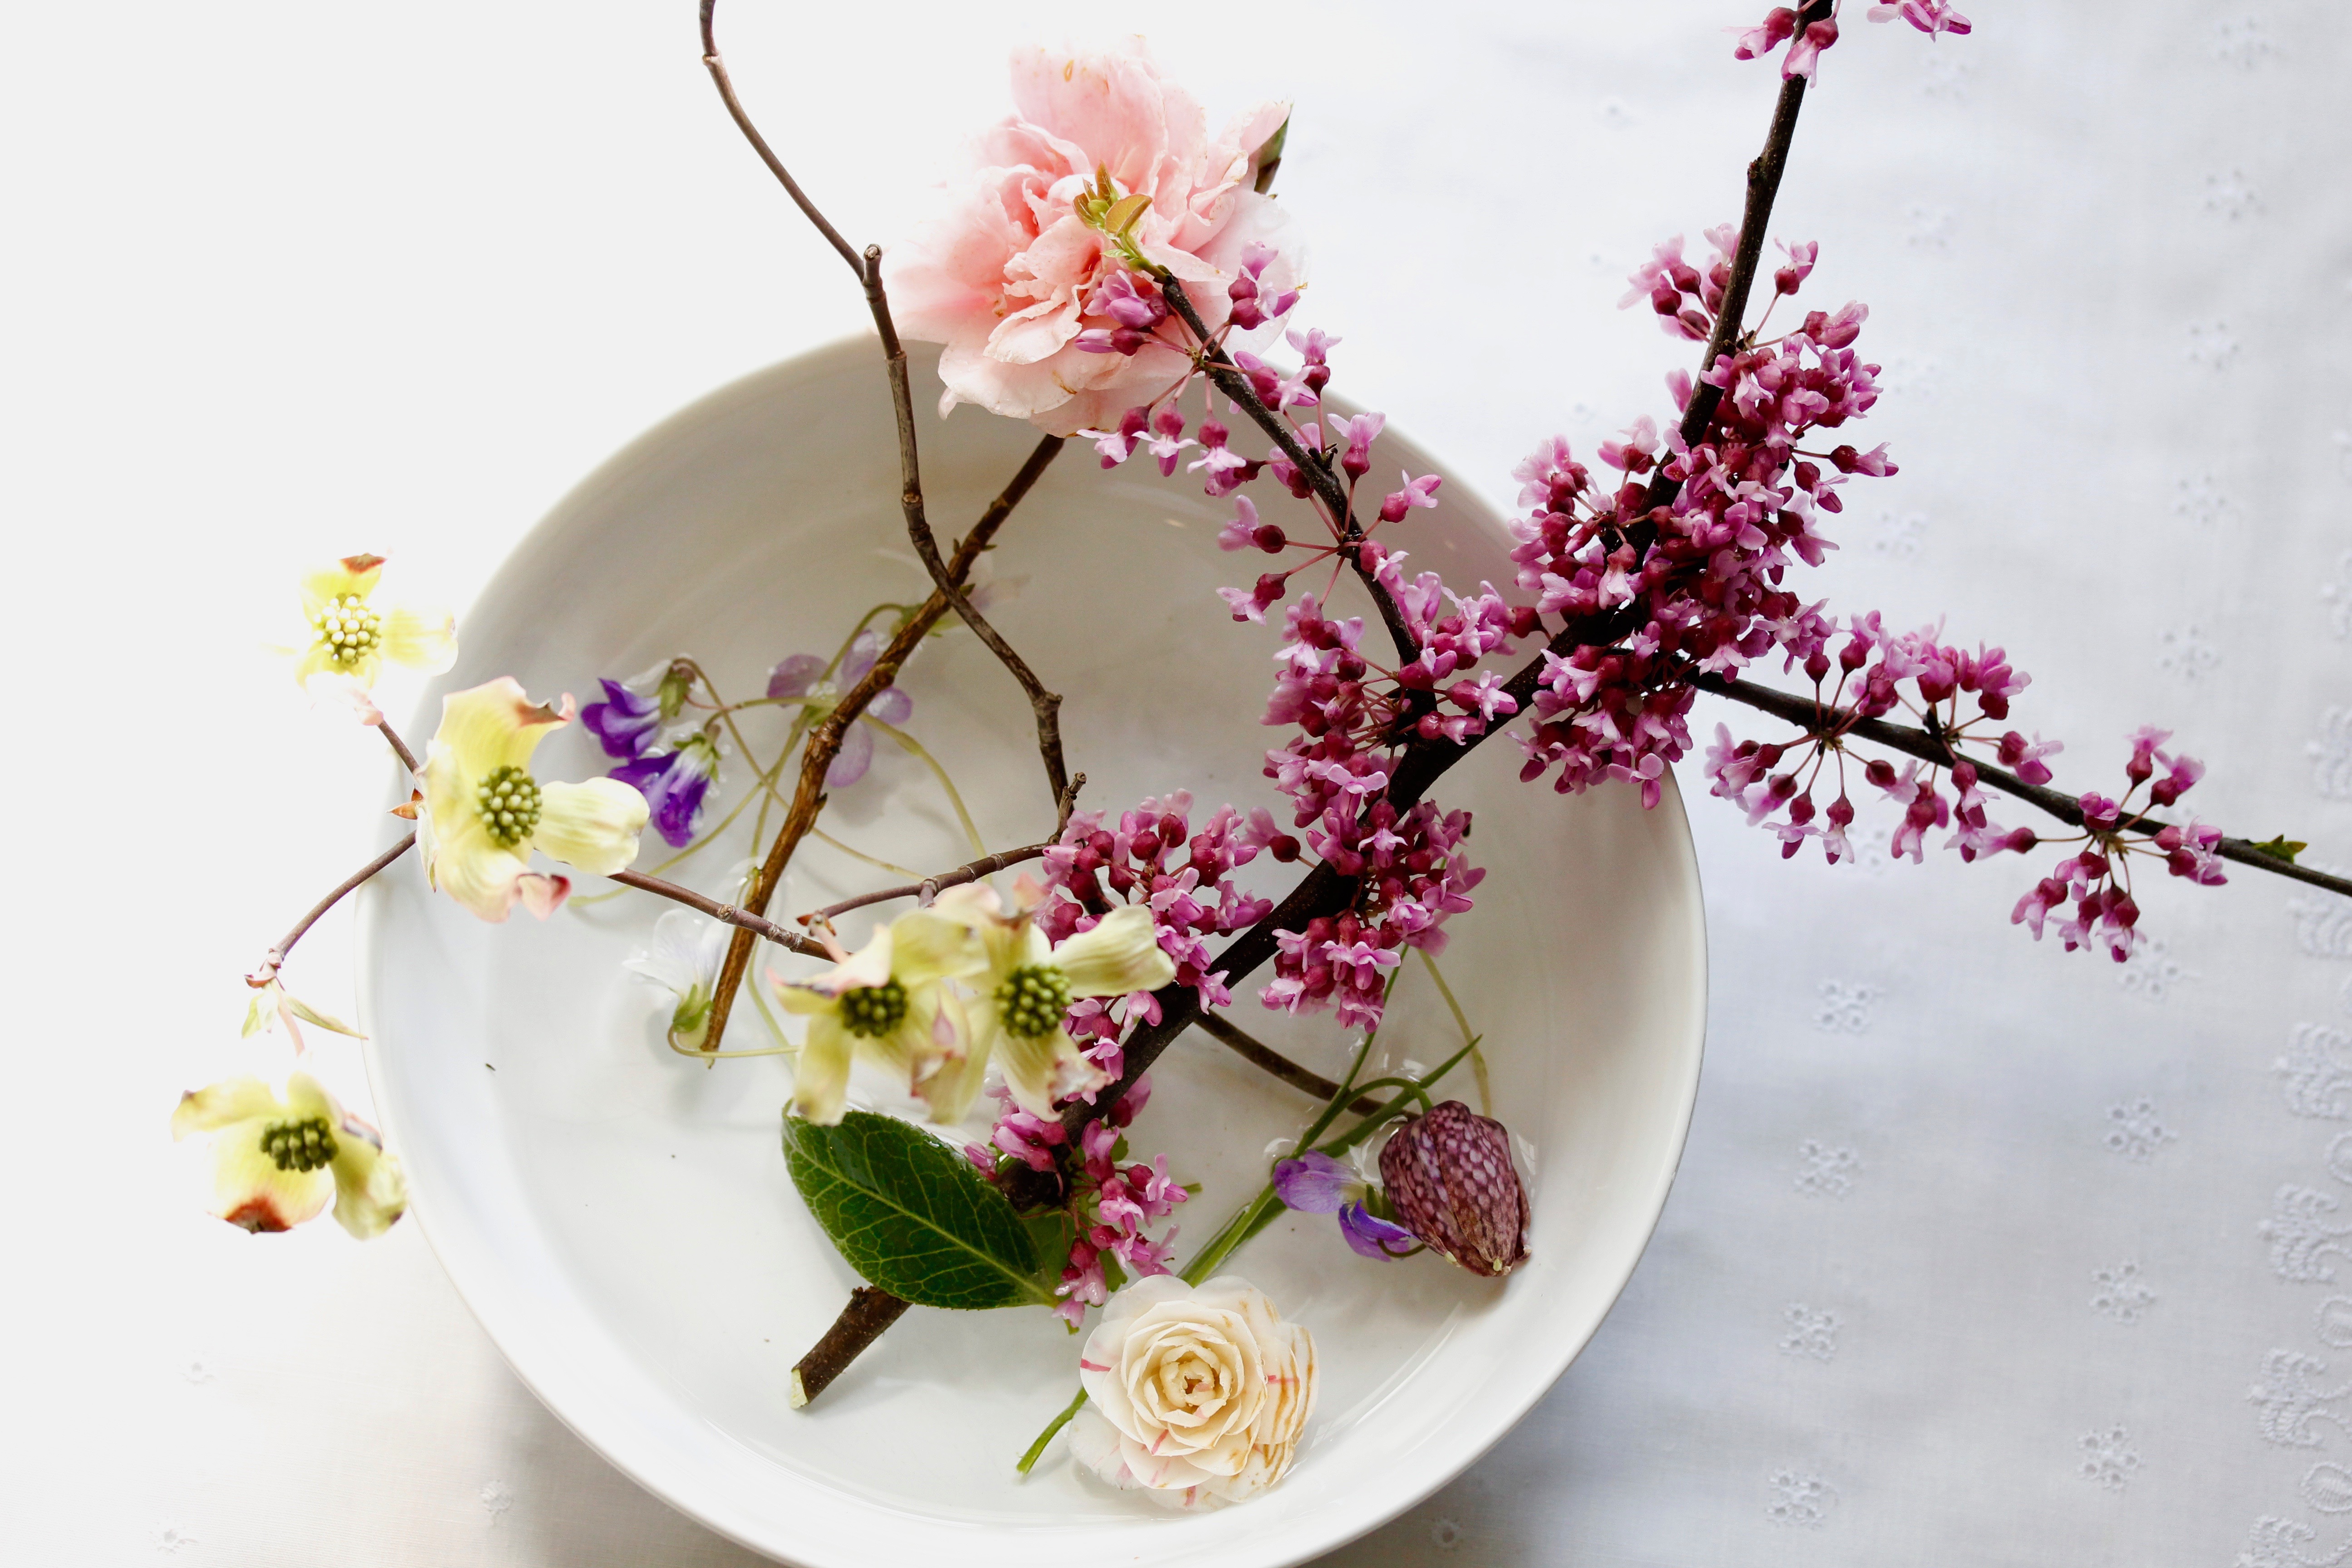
(1980, 1252)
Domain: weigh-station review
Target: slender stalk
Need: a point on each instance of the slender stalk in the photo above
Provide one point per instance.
(1477, 1058)
(1044, 706)
(928, 887)
(276, 955)
(855, 853)
(718, 69)
(1267, 1058)
(399, 747)
(1821, 720)
(727, 914)
(1038, 1448)
(915, 749)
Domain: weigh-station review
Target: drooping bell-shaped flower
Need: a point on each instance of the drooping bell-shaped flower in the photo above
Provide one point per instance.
(1025, 992)
(485, 813)
(890, 1003)
(278, 1158)
(349, 636)
(1450, 1178)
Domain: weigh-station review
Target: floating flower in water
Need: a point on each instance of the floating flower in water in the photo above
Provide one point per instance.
(1025, 992)
(1103, 169)
(683, 959)
(890, 1004)
(802, 676)
(484, 812)
(349, 638)
(1315, 1182)
(279, 1159)
(1450, 1176)
(1194, 1395)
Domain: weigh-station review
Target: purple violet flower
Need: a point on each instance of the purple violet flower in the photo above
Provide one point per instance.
(803, 674)
(1315, 1182)
(625, 723)
(674, 784)
(1372, 1236)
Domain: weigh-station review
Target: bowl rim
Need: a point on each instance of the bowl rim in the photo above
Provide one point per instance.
(570, 1392)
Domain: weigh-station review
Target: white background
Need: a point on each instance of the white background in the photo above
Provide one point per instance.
(284, 282)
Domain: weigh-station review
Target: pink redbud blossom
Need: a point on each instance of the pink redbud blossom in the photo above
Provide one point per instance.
(1930, 16)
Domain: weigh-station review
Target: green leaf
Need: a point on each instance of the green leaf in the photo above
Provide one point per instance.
(1122, 215)
(911, 1214)
(2282, 849)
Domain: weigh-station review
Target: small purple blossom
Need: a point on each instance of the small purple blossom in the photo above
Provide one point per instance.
(802, 676)
(1315, 1182)
(674, 784)
(1369, 1236)
(625, 723)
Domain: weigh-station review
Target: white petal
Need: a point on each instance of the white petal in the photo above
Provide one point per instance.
(1120, 955)
(593, 826)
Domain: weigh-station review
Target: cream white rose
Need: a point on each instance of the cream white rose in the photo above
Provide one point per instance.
(1195, 1395)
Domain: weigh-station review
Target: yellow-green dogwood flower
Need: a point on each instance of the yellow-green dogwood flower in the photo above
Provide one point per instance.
(1025, 992)
(351, 638)
(484, 812)
(891, 1002)
(278, 1158)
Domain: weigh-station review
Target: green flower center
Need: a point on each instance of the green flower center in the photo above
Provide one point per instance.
(1032, 999)
(348, 629)
(873, 1010)
(508, 802)
(306, 1145)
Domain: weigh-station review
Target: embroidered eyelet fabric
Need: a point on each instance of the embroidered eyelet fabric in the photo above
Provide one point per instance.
(1980, 1252)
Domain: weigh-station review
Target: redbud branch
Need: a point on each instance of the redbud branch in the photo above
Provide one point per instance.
(1047, 706)
(1260, 1055)
(726, 914)
(718, 70)
(1323, 891)
(823, 741)
(1823, 721)
(276, 955)
(1220, 368)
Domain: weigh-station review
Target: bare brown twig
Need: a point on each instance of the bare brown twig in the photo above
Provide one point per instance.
(276, 955)
(1265, 1057)
(726, 914)
(1045, 706)
(399, 747)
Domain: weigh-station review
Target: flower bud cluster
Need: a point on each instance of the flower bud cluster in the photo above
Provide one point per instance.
(1110, 1203)
(1154, 857)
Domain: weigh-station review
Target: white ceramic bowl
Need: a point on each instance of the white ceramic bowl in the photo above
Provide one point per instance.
(620, 1220)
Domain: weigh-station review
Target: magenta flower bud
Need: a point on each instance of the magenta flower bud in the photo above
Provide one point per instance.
(1246, 315)
(1269, 538)
(1449, 1177)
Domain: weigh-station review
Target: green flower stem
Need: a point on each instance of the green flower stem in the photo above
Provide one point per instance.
(1038, 1448)
(915, 749)
(1477, 1059)
(856, 854)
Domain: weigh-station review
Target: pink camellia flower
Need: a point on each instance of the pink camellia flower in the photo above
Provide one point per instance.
(1008, 274)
